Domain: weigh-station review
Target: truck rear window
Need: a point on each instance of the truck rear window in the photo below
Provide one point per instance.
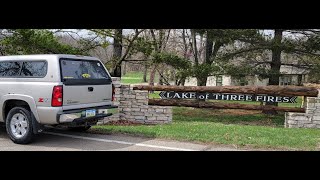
(75, 72)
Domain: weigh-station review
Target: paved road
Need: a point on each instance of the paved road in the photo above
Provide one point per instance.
(60, 140)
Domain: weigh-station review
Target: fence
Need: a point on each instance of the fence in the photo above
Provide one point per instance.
(133, 106)
(134, 103)
(257, 93)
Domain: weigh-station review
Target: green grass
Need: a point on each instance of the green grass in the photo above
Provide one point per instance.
(154, 95)
(113, 111)
(135, 78)
(238, 127)
(242, 128)
(184, 114)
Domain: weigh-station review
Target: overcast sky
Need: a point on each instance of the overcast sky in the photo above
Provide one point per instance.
(85, 33)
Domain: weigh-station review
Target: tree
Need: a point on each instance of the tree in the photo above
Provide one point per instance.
(181, 65)
(150, 43)
(262, 54)
(33, 41)
(159, 41)
(122, 45)
(117, 52)
(276, 49)
(208, 46)
(88, 44)
(143, 45)
(2, 48)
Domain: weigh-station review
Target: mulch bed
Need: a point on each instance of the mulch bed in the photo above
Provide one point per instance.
(122, 123)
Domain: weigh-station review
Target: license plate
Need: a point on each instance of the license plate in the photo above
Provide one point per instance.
(90, 113)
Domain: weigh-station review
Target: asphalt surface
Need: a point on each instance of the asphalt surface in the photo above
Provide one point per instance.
(62, 140)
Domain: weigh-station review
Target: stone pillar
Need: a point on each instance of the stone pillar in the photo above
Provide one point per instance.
(310, 119)
(116, 81)
(134, 107)
(115, 117)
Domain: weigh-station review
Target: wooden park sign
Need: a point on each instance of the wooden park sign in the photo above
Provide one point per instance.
(270, 90)
(227, 97)
(187, 96)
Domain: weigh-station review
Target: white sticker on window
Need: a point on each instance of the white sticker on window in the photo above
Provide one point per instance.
(98, 64)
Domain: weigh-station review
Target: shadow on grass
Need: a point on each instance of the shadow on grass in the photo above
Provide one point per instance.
(243, 117)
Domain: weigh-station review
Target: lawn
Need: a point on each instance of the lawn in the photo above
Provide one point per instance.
(136, 77)
(242, 128)
(238, 127)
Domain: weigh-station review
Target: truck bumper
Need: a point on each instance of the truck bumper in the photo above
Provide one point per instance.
(77, 116)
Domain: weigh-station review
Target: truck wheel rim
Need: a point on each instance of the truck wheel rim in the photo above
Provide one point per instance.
(19, 125)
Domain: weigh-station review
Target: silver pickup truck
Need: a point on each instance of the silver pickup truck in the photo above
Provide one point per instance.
(38, 90)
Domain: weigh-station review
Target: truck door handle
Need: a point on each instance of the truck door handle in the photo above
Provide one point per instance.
(90, 89)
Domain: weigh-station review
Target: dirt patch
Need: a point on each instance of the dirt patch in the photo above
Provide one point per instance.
(311, 85)
(265, 122)
(239, 112)
(235, 112)
(122, 123)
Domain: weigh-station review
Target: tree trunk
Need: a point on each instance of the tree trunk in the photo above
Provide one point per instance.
(124, 72)
(275, 64)
(195, 49)
(145, 72)
(152, 75)
(116, 72)
(117, 52)
(202, 81)
(161, 74)
(299, 80)
(276, 58)
(209, 46)
(183, 81)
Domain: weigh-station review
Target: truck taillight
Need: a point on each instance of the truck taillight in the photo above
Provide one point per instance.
(113, 92)
(57, 96)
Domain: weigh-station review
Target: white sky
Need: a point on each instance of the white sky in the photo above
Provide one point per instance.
(86, 34)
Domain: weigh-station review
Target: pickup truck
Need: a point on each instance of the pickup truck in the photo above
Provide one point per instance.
(53, 89)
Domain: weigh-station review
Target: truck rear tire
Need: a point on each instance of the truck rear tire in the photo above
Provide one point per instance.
(19, 125)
